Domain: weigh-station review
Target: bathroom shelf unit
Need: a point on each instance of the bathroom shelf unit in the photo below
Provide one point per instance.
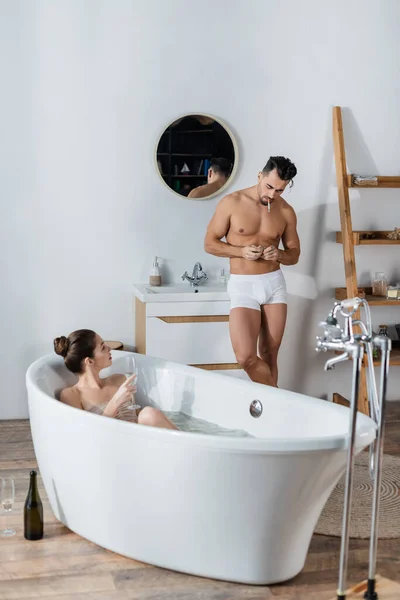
(349, 238)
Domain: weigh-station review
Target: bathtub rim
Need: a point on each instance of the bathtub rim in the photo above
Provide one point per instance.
(364, 437)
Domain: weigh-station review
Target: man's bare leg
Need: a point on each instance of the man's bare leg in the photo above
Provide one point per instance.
(244, 327)
(273, 321)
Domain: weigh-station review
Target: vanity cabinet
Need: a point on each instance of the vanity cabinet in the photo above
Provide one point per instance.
(184, 328)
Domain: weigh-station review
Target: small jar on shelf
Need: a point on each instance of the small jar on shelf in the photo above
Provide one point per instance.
(393, 292)
(379, 284)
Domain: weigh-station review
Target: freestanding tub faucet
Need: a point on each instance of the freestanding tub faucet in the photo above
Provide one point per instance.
(353, 346)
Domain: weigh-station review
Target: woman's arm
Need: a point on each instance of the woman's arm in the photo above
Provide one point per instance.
(124, 393)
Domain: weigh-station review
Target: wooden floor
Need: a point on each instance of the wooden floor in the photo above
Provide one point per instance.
(63, 566)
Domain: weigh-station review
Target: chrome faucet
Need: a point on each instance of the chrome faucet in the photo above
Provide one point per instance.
(353, 346)
(198, 275)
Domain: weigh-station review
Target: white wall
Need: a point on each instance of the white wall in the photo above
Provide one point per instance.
(87, 87)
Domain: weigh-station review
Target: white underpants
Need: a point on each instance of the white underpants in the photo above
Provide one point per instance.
(252, 291)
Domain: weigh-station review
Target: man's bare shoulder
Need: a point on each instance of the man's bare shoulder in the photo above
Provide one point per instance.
(198, 192)
(287, 209)
(234, 199)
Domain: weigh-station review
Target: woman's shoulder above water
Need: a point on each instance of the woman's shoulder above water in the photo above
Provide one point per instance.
(73, 395)
(116, 379)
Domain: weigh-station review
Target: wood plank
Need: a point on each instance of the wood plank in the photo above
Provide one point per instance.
(382, 181)
(347, 235)
(394, 358)
(339, 399)
(363, 238)
(140, 326)
(344, 203)
(196, 319)
(341, 294)
(386, 589)
(51, 586)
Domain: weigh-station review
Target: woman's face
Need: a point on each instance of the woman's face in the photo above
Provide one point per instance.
(102, 354)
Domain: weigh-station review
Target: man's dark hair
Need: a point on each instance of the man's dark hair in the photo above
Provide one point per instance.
(285, 168)
(221, 165)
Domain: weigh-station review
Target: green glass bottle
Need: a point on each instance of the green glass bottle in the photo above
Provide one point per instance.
(33, 511)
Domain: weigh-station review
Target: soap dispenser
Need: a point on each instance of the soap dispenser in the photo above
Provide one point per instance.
(155, 275)
(222, 277)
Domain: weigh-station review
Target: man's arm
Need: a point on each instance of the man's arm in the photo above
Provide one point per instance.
(290, 239)
(218, 228)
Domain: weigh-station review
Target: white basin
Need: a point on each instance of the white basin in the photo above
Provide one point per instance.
(180, 292)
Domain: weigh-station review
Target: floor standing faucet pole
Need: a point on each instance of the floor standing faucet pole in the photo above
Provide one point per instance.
(385, 345)
(357, 352)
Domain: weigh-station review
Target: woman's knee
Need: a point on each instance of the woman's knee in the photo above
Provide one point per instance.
(154, 418)
(149, 416)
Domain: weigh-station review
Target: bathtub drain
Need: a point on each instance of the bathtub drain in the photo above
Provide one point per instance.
(256, 408)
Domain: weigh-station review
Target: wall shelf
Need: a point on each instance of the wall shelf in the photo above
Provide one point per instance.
(362, 238)
(394, 359)
(341, 294)
(383, 182)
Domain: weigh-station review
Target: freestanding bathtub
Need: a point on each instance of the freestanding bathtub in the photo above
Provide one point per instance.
(237, 509)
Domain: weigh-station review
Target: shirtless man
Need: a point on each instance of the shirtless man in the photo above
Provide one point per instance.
(218, 173)
(253, 222)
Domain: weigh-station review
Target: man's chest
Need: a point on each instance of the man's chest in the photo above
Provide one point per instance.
(250, 223)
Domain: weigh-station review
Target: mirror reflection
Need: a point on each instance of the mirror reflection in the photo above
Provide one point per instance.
(196, 156)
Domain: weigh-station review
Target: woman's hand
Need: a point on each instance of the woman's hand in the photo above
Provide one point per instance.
(123, 394)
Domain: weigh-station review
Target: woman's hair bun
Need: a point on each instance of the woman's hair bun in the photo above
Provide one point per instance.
(61, 345)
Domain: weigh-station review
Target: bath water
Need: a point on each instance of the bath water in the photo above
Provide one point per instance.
(195, 425)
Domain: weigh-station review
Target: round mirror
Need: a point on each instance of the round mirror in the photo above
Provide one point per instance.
(197, 156)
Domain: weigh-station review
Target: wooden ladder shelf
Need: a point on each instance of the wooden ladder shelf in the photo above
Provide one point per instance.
(349, 238)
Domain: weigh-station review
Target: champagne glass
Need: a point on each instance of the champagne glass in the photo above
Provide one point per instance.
(7, 496)
(129, 367)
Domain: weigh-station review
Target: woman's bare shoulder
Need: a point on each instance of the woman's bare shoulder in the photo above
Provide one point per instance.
(71, 396)
(116, 379)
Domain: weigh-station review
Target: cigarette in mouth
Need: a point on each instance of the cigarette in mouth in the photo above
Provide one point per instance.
(269, 206)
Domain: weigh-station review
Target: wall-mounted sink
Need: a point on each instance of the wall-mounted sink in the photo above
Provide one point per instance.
(180, 292)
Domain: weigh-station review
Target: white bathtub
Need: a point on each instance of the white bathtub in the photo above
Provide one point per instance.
(237, 509)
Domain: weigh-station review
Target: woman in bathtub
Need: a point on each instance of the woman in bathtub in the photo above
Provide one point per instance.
(86, 354)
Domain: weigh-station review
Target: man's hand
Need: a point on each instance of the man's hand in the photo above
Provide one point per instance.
(271, 253)
(252, 252)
